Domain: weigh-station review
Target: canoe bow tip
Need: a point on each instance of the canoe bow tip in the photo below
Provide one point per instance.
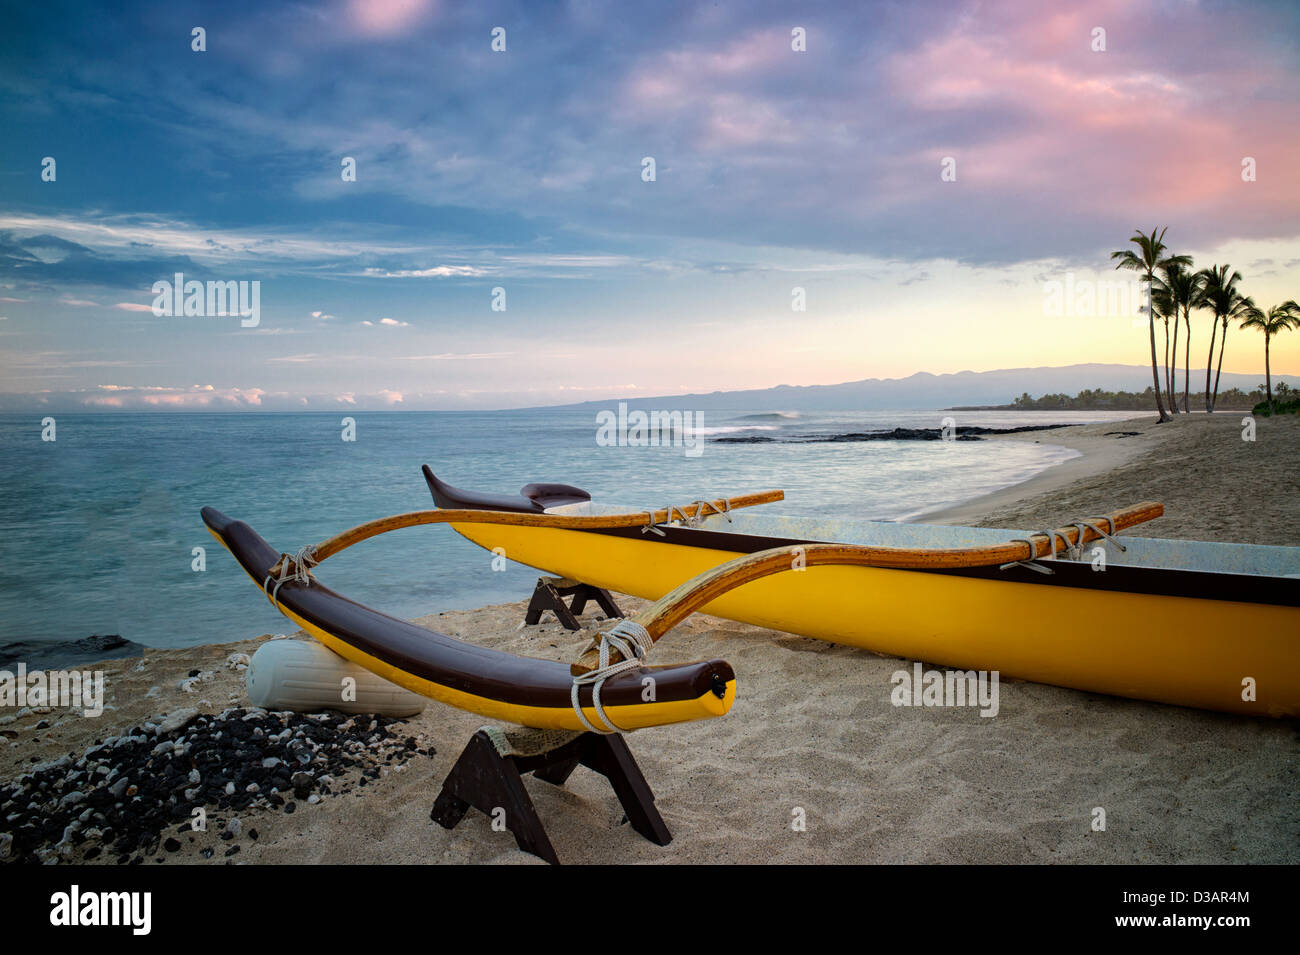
(444, 495)
(215, 520)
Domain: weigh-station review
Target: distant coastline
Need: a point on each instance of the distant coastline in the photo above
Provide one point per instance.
(1233, 399)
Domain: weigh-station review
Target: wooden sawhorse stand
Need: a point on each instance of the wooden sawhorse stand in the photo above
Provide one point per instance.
(488, 776)
(550, 592)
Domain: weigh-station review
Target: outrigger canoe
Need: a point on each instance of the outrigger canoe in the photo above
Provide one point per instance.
(523, 690)
(1192, 623)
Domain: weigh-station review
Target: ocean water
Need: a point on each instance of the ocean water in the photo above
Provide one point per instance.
(97, 528)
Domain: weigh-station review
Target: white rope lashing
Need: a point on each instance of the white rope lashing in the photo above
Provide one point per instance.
(688, 520)
(698, 519)
(1110, 524)
(628, 638)
(1073, 551)
(1032, 562)
(293, 568)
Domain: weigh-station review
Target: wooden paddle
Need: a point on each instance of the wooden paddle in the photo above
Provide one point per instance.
(675, 606)
(382, 525)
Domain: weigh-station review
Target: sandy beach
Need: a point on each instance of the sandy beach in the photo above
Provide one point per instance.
(813, 730)
(1214, 485)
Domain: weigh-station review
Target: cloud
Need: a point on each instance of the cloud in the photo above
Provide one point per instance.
(381, 18)
(451, 356)
(192, 398)
(387, 322)
(437, 271)
(167, 244)
(133, 307)
(833, 149)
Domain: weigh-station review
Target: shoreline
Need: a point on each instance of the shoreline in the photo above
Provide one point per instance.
(1214, 484)
(1098, 454)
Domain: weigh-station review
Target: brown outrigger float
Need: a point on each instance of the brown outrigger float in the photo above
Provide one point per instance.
(521, 690)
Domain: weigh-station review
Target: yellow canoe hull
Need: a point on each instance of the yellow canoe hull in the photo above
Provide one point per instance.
(1239, 657)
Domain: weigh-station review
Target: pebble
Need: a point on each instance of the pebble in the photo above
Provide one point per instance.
(176, 720)
(115, 800)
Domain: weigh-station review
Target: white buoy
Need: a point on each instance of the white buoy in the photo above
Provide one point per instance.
(304, 676)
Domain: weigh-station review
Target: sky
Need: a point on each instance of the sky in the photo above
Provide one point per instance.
(915, 176)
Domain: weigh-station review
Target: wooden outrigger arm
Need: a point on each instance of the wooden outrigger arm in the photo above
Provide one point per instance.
(382, 525)
(678, 604)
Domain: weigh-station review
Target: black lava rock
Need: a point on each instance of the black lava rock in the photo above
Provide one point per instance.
(141, 784)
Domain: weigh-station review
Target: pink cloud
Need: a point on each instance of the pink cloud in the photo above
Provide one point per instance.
(386, 17)
(718, 80)
(1059, 115)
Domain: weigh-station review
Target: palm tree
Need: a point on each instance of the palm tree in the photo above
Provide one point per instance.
(1150, 246)
(1239, 306)
(1183, 289)
(1165, 307)
(1279, 318)
(1219, 294)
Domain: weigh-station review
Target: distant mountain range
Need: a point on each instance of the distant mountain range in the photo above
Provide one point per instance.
(924, 391)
